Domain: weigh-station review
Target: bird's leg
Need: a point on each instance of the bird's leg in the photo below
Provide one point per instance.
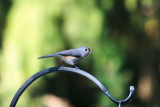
(76, 67)
(62, 62)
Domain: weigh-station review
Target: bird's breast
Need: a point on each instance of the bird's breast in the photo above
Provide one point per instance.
(70, 59)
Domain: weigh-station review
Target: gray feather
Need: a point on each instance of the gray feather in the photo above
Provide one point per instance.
(46, 56)
(71, 52)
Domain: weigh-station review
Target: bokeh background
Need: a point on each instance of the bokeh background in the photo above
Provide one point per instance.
(123, 34)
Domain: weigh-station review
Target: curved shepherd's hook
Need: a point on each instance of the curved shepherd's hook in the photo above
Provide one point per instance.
(68, 69)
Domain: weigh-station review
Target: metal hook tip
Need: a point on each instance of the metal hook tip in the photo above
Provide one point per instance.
(132, 88)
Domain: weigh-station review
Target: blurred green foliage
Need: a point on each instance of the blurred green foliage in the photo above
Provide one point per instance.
(123, 34)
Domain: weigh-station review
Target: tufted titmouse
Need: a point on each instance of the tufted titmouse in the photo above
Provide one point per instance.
(71, 56)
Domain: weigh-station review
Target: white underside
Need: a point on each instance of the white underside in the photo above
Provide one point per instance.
(71, 60)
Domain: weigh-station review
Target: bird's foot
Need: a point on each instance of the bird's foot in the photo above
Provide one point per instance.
(62, 66)
(76, 67)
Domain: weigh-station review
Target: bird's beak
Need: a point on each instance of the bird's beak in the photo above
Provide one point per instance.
(90, 52)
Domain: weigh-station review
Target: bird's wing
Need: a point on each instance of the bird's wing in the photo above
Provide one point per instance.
(71, 52)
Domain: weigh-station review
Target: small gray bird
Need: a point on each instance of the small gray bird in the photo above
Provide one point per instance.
(71, 56)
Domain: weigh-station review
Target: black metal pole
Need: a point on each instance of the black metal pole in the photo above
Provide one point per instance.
(68, 69)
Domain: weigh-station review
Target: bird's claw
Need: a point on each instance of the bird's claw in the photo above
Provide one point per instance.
(76, 67)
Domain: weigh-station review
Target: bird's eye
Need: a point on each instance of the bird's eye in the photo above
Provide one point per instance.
(86, 49)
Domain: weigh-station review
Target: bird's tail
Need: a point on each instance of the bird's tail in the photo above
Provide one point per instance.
(52, 55)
